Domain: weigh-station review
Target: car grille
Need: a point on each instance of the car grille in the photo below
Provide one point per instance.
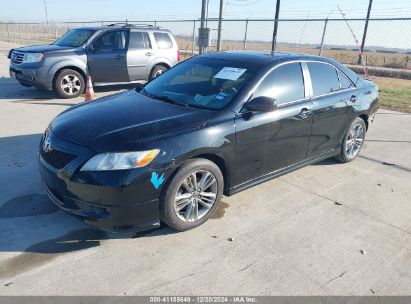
(55, 158)
(17, 57)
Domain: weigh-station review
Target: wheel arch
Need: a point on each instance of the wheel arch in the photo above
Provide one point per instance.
(220, 162)
(365, 118)
(216, 159)
(70, 67)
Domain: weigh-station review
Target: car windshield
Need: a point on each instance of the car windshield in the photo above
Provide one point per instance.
(201, 82)
(74, 38)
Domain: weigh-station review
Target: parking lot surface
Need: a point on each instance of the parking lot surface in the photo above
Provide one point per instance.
(326, 229)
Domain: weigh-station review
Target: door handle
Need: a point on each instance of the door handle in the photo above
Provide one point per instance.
(305, 112)
(353, 98)
(119, 56)
(149, 54)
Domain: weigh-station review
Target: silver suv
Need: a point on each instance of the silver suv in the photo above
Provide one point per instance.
(113, 54)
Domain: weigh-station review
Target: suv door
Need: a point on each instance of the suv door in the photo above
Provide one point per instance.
(267, 142)
(140, 56)
(106, 57)
(332, 107)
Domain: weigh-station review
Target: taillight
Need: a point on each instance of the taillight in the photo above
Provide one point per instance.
(178, 55)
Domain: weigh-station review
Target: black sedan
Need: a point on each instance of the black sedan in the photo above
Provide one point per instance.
(215, 124)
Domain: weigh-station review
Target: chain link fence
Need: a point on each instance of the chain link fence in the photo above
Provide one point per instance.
(387, 49)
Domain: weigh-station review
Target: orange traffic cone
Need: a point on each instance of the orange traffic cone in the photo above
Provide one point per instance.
(89, 90)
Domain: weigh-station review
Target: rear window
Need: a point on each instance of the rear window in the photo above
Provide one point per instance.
(163, 40)
(324, 78)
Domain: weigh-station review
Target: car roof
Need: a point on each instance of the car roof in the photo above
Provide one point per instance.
(263, 57)
(146, 27)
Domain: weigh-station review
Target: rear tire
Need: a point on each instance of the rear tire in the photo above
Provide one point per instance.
(69, 84)
(353, 141)
(157, 71)
(192, 195)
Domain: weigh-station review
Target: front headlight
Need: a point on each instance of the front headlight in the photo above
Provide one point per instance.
(119, 161)
(32, 57)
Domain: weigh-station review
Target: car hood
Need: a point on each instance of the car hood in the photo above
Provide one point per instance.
(125, 121)
(46, 48)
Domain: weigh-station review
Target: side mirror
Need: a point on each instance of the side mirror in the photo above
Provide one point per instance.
(261, 104)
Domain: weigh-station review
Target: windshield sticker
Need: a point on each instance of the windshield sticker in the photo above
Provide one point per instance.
(230, 73)
(203, 100)
(221, 96)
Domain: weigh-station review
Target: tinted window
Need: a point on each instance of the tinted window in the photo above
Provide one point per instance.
(345, 83)
(284, 84)
(323, 78)
(201, 82)
(163, 40)
(136, 40)
(115, 40)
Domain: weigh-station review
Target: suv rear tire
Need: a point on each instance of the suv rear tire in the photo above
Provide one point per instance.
(69, 84)
(157, 71)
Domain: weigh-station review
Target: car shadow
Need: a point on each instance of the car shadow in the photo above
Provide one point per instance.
(11, 90)
(327, 162)
(29, 220)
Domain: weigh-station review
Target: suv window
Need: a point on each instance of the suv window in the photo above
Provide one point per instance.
(344, 81)
(324, 78)
(114, 40)
(139, 40)
(163, 40)
(284, 84)
(136, 41)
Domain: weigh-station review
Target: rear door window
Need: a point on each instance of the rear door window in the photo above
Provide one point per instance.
(163, 40)
(136, 41)
(284, 84)
(324, 78)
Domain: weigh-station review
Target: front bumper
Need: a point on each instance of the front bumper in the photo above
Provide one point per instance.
(117, 201)
(31, 74)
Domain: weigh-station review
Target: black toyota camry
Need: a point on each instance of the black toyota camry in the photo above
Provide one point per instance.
(213, 125)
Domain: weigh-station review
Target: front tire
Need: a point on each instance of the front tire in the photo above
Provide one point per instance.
(353, 141)
(192, 195)
(69, 84)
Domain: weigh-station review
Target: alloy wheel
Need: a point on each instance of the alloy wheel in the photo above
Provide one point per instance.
(195, 196)
(355, 140)
(158, 73)
(70, 84)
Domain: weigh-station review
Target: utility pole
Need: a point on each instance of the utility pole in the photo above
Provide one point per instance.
(202, 23)
(365, 32)
(323, 36)
(45, 9)
(220, 19)
(277, 12)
